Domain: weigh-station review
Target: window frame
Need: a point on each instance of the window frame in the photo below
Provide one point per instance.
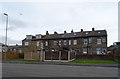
(99, 41)
(26, 43)
(85, 41)
(74, 42)
(69, 42)
(65, 42)
(46, 43)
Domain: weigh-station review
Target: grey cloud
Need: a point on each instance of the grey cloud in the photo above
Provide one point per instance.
(10, 41)
(14, 24)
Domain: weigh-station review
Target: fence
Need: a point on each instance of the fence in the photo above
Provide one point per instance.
(10, 55)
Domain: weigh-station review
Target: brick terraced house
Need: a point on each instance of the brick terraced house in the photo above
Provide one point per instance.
(64, 46)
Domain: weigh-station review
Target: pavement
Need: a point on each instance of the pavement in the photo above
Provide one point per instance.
(64, 63)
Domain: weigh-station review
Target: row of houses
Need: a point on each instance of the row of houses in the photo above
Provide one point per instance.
(63, 46)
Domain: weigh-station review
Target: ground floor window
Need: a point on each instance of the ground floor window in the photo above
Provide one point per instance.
(84, 50)
(98, 50)
(103, 50)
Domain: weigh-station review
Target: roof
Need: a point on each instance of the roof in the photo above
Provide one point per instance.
(95, 33)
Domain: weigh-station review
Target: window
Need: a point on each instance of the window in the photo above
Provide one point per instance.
(84, 50)
(37, 43)
(85, 41)
(69, 42)
(103, 40)
(86, 33)
(55, 43)
(46, 43)
(26, 43)
(98, 51)
(59, 42)
(103, 50)
(38, 36)
(90, 40)
(65, 42)
(28, 36)
(98, 32)
(74, 42)
(98, 41)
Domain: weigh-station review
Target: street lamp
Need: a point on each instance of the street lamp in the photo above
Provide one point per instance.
(6, 33)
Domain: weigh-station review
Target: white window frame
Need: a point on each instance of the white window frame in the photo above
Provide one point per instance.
(37, 43)
(60, 42)
(85, 50)
(26, 43)
(74, 42)
(98, 51)
(65, 42)
(69, 42)
(46, 43)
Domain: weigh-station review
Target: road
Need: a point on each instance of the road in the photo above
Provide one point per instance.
(43, 70)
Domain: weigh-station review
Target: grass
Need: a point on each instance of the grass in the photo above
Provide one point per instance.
(94, 61)
(22, 60)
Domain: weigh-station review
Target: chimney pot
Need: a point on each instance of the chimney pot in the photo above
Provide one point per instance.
(72, 31)
(65, 32)
(81, 30)
(55, 32)
(93, 29)
(47, 33)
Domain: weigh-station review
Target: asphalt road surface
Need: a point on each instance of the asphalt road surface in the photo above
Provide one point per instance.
(43, 70)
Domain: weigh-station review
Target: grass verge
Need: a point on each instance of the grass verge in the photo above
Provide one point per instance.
(95, 61)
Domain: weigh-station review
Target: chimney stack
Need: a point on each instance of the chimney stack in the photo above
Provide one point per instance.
(55, 32)
(72, 31)
(47, 33)
(93, 29)
(81, 30)
(65, 32)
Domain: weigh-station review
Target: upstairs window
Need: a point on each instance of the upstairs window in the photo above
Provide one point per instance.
(28, 36)
(59, 42)
(55, 43)
(26, 43)
(98, 41)
(75, 42)
(85, 41)
(37, 43)
(69, 42)
(103, 40)
(90, 40)
(65, 42)
(46, 43)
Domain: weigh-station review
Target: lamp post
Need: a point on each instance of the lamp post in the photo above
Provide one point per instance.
(6, 33)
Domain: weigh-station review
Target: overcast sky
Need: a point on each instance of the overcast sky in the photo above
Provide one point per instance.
(30, 18)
